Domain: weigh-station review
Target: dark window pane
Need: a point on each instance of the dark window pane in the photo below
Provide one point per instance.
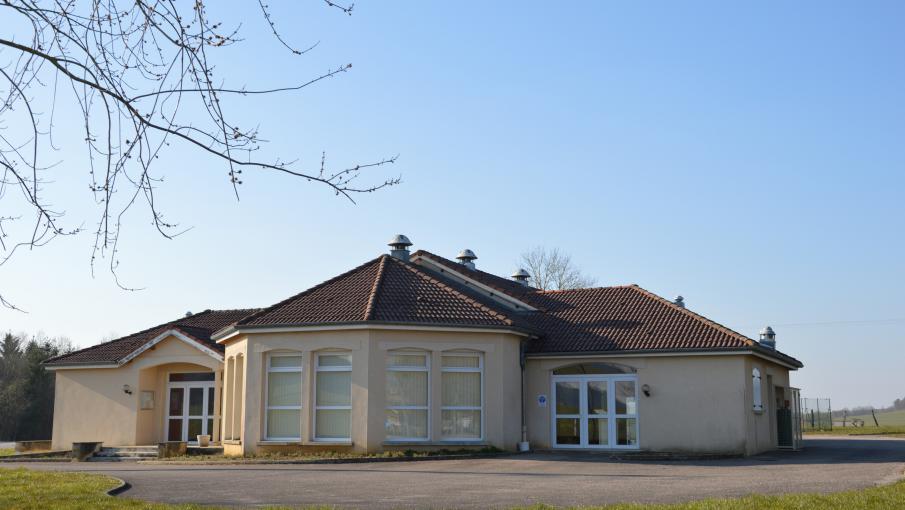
(567, 431)
(598, 433)
(174, 431)
(626, 432)
(593, 368)
(597, 397)
(567, 398)
(196, 401)
(176, 395)
(210, 401)
(625, 397)
(194, 429)
(210, 427)
(192, 377)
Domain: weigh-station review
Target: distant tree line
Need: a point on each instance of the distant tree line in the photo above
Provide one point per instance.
(26, 389)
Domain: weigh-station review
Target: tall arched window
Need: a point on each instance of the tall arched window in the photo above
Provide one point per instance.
(755, 381)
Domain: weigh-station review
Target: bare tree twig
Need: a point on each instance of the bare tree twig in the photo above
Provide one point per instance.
(139, 71)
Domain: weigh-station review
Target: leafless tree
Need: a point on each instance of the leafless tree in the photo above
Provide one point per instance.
(140, 75)
(551, 269)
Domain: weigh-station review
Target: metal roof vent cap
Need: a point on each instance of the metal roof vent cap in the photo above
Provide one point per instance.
(188, 313)
(399, 245)
(466, 257)
(768, 338)
(679, 301)
(521, 276)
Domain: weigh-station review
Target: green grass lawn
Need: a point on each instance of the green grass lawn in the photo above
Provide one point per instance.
(24, 489)
(313, 456)
(897, 431)
(5, 452)
(888, 419)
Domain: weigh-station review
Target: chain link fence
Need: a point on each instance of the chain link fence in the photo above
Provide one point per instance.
(816, 414)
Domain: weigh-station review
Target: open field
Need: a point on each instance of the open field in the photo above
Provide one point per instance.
(860, 431)
(23, 489)
(892, 419)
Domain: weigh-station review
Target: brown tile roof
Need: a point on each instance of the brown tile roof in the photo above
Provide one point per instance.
(384, 290)
(626, 318)
(611, 319)
(199, 326)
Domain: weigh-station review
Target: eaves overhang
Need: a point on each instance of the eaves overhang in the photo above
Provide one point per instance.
(776, 357)
(225, 334)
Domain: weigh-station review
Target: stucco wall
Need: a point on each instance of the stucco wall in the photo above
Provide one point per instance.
(694, 406)
(90, 404)
(761, 426)
(368, 349)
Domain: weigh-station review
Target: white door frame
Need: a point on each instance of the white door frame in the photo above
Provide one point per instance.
(187, 386)
(611, 415)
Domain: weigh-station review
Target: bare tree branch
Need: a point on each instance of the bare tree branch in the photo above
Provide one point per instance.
(551, 269)
(139, 73)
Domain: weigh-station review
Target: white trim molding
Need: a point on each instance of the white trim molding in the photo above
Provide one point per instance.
(650, 354)
(138, 352)
(227, 334)
(495, 294)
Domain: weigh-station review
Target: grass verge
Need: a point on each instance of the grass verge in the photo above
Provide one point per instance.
(891, 431)
(6, 452)
(308, 456)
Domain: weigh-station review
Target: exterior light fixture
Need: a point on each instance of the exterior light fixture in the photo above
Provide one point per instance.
(646, 389)
(127, 389)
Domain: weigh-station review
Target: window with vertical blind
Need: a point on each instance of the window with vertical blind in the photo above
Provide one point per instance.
(333, 397)
(407, 390)
(283, 419)
(463, 396)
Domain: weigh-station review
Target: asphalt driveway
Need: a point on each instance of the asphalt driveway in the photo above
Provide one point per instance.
(825, 465)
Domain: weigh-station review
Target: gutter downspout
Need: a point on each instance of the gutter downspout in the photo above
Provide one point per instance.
(523, 445)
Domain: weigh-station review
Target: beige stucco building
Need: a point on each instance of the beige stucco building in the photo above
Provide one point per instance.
(414, 351)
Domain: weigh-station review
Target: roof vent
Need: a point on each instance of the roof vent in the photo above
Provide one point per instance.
(521, 276)
(188, 313)
(400, 247)
(768, 338)
(679, 301)
(466, 257)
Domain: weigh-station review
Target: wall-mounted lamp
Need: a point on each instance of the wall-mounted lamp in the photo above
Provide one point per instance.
(645, 389)
(127, 389)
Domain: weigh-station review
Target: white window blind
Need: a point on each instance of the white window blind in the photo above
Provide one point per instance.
(407, 413)
(283, 418)
(463, 396)
(333, 397)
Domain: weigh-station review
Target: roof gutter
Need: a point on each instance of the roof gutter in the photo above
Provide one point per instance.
(225, 334)
(786, 361)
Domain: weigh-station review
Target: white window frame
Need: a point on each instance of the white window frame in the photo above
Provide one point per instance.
(479, 369)
(583, 415)
(757, 390)
(186, 387)
(426, 407)
(267, 407)
(319, 368)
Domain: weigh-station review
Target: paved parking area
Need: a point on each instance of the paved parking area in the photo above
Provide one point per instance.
(825, 465)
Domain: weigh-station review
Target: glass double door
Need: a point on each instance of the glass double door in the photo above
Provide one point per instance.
(595, 412)
(190, 411)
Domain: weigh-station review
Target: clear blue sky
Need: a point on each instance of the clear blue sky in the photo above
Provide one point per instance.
(750, 157)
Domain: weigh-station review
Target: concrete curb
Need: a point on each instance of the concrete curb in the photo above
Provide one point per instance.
(119, 489)
(354, 460)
